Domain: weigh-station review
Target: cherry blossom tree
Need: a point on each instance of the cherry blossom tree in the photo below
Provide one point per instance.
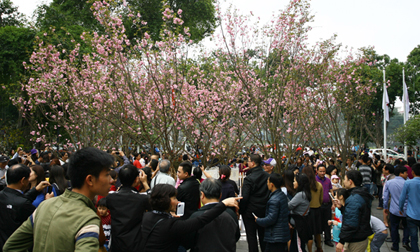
(259, 85)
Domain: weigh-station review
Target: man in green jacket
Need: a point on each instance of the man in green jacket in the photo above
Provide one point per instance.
(68, 222)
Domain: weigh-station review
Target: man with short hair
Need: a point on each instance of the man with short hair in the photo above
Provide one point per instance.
(325, 208)
(127, 207)
(275, 222)
(366, 172)
(410, 195)
(255, 196)
(355, 227)
(16, 207)
(222, 233)
(4, 160)
(188, 190)
(64, 158)
(162, 176)
(69, 222)
(269, 165)
(393, 189)
(388, 171)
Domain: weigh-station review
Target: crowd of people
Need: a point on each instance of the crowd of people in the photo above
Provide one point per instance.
(94, 200)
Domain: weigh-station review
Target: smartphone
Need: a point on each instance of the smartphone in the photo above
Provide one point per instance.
(332, 196)
(49, 189)
(180, 209)
(254, 215)
(117, 153)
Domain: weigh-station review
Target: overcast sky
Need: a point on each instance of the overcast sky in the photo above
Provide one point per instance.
(391, 26)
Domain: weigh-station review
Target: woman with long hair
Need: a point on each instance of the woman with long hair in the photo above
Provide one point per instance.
(289, 178)
(299, 213)
(36, 176)
(162, 232)
(58, 180)
(315, 204)
(228, 190)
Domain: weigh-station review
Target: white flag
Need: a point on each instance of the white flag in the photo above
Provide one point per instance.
(385, 104)
(406, 101)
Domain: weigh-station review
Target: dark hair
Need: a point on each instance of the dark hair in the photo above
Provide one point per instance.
(322, 165)
(34, 157)
(256, 159)
(344, 192)
(303, 185)
(184, 157)
(355, 176)
(160, 199)
(45, 157)
(102, 202)
(400, 169)
(330, 169)
(16, 173)
(186, 167)
(365, 158)
(416, 169)
(276, 179)
(212, 188)
(224, 170)
(309, 172)
(40, 174)
(289, 177)
(397, 161)
(148, 172)
(197, 172)
(57, 176)
(14, 161)
(113, 174)
(88, 161)
(128, 175)
(153, 164)
(411, 161)
(389, 168)
(66, 170)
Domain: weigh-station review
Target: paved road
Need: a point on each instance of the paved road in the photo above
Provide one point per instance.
(242, 245)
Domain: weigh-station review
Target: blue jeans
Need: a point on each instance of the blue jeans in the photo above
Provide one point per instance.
(395, 236)
(377, 241)
(367, 186)
(413, 227)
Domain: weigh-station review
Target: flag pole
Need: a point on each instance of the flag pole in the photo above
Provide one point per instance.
(405, 112)
(384, 90)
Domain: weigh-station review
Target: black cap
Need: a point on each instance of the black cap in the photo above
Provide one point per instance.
(4, 159)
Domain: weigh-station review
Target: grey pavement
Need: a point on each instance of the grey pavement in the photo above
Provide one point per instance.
(242, 246)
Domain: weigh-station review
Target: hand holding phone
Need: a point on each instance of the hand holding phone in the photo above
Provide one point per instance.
(180, 209)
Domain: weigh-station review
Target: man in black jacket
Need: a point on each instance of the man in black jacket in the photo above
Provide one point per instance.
(16, 207)
(188, 190)
(222, 233)
(255, 196)
(355, 227)
(127, 207)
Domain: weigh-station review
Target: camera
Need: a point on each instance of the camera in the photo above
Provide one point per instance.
(117, 153)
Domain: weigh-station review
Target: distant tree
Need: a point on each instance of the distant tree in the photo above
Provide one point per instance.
(409, 133)
(76, 16)
(413, 79)
(9, 15)
(16, 45)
